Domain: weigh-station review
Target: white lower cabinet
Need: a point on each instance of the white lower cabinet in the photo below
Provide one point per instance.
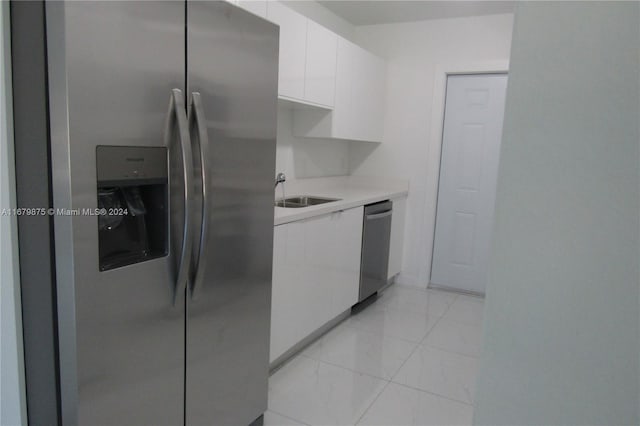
(316, 274)
(396, 243)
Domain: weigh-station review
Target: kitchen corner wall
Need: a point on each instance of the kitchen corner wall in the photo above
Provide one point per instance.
(413, 51)
(562, 320)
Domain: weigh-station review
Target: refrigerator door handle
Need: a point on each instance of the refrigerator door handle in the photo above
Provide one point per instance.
(198, 115)
(177, 110)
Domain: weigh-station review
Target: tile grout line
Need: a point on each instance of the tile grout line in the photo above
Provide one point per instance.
(431, 346)
(389, 336)
(342, 368)
(424, 390)
(434, 325)
(372, 402)
(424, 344)
(417, 345)
(288, 417)
(386, 383)
(380, 334)
(434, 394)
(345, 368)
(386, 308)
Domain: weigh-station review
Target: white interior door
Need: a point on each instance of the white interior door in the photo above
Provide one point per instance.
(469, 166)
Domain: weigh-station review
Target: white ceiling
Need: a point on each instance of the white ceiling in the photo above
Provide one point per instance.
(369, 12)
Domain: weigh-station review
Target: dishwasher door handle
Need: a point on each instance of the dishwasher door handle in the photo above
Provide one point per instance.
(378, 215)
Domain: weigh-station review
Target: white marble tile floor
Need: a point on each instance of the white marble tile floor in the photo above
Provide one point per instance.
(410, 358)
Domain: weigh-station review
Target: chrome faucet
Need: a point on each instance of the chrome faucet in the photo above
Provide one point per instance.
(280, 178)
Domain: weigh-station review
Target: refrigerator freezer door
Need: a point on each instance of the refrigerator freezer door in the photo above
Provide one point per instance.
(112, 68)
(233, 64)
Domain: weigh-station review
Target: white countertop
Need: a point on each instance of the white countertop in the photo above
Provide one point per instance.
(353, 191)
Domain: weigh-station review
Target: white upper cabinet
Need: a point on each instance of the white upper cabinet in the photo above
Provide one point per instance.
(320, 69)
(368, 96)
(257, 7)
(358, 111)
(307, 71)
(340, 124)
(293, 47)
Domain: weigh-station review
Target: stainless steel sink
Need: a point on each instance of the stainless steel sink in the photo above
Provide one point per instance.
(303, 201)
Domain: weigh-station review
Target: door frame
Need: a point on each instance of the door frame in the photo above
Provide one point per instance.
(434, 148)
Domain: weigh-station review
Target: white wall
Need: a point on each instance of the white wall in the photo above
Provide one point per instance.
(562, 315)
(414, 52)
(304, 157)
(12, 399)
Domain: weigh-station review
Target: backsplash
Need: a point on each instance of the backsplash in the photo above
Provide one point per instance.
(303, 158)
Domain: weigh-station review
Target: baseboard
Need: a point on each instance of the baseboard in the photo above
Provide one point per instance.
(409, 280)
(456, 290)
(302, 344)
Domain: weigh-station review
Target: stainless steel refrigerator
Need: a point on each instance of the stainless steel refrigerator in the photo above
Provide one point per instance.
(162, 126)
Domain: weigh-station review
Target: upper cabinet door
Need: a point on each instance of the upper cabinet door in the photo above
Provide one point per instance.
(378, 96)
(343, 116)
(368, 95)
(361, 93)
(293, 45)
(359, 97)
(320, 70)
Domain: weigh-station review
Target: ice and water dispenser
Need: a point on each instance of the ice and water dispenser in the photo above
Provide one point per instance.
(133, 198)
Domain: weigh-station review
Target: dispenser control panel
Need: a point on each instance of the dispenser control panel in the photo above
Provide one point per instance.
(131, 163)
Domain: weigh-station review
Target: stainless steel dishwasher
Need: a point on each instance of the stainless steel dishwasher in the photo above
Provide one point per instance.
(375, 248)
